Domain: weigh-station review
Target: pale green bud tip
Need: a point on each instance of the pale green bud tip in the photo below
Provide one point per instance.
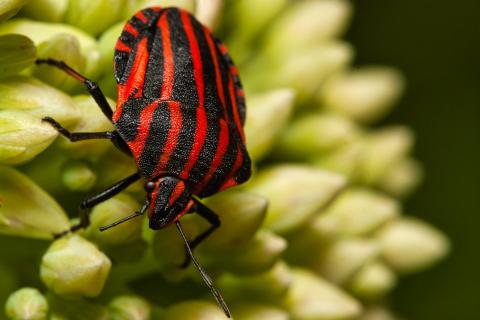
(111, 211)
(311, 297)
(78, 176)
(16, 53)
(267, 116)
(129, 308)
(295, 192)
(259, 312)
(373, 281)
(409, 245)
(26, 304)
(27, 210)
(8, 8)
(314, 135)
(194, 310)
(74, 266)
(207, 11)
(46, 10)
(22, 136)
(365, 94)
(402, 178)
(345, 257)
(359, 211)
(378, 313)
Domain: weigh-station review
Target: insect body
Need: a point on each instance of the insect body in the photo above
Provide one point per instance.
(180, 115)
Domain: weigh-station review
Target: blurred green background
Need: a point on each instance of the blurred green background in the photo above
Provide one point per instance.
(436, 44)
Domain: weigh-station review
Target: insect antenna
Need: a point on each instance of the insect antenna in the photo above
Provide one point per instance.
(206, 278)
(130, 217)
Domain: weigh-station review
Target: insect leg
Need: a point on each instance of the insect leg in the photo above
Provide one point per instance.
(77, 136)
(92, 87)
(214, 221)
(89, 203)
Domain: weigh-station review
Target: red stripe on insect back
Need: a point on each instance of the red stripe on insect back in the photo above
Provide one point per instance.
(136, 77)
(121, 46)
(187, 208)
(143, 130)
(131, 29)
(230, 181)
(201, 127)
(176, 120)
(176, 193)
(218, 76)
(236, 116)
(223, 49)
(141, 17)
(153, 200)
(168, 63)
(222, 146)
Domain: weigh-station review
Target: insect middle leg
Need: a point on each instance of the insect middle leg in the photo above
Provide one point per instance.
(92, 86)
(214, 221)
(92, 201)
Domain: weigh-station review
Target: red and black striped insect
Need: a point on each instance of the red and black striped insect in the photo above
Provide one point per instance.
(180, 115)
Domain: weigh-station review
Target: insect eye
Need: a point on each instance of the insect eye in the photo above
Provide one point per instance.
(149, 186)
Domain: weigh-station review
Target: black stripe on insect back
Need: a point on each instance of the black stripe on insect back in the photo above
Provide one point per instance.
(213, 107)
(130, 118)
(154, 75)
(184, 90)
(157, 136)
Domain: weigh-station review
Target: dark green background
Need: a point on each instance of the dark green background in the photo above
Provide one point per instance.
(437, 46)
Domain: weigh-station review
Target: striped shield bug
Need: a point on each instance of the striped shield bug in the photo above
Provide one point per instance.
(179, 114)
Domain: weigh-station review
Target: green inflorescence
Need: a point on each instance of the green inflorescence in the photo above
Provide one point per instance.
(318, 233)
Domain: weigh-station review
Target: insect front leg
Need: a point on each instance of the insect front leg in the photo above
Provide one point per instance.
(91, 86)
(214, 221)
(90, 202)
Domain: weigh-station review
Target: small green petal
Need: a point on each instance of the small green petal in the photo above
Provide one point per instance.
(208, 11)
(26, 304)
(46, 10)
(295, 193)
(78, 176)
(410, 245)
(311, 297)
(194, 310)
(373, 281)
(74, 266)
(129, 308)
(402, 178)
(268, 114)
(259, 312)
(17, 52)
(9, 8)
(26, 210)
(378, 313)
(111, 211)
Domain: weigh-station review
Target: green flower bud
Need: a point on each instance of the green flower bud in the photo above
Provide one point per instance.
(402, 178)
(295, 193)
(267, 286)
(409, 245)
(110, 211)
(365, 94)
(359, 211)
(345, 160)
(113, 166)
(9, 8)
(46, 10)
(267, 116)
(384, 148)
(16, 53)
(194, 310)
(311, 297)
(26, 304)
(68, 308)
(34, 97)
(22, 137)
(259, 312)
(378, 313)
(345, 257)
(106, 44)
(26, 210)
(241, 214)
(78, 176)
(91, 120)
(185, 4)
(95, 16)
(207, 11)
(309, 69)
(316, 22)
(74, 266)
(67, 48)
(315, 134)
(40, 32)
(373, 281)
(129, 308)
(8, 272)
(259, 255)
